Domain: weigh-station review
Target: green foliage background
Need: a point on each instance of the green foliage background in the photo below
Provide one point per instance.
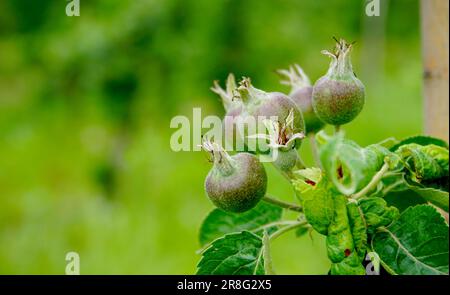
(86, 102)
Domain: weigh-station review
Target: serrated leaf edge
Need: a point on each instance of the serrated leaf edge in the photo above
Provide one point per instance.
(384, 229)
(258, 260)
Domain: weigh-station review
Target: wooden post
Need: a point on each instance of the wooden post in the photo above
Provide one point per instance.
(434, 26)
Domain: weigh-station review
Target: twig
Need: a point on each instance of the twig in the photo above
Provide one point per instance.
(373, 182)
(273, 224)
(337, 128)
(315, 151)
(286, 229)
(268, 267)
(283, 204)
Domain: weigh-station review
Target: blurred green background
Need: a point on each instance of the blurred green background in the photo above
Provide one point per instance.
(86, 102)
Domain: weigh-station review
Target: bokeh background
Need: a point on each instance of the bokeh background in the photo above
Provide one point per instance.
(86, 103)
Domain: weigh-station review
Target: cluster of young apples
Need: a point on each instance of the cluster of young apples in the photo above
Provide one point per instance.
(237, 183)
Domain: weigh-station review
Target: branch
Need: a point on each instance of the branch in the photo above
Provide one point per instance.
(287, 228)
(315, 150)
(337, 128)
(268, 267)
(282, 204)
(373, 182)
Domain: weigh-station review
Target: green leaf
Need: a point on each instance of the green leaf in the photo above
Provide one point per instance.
(377, 213)
(426, 173)
(219, 223)
(437, 197)
(315, 194)
(402, 200)
(339, 239)
(415, 244)
(340, 244)
(350, 265)
(358, 227)
(421, 140)
(402, 193)
(349, 166)
(233, 254)
(392, 182)
(425, 163)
